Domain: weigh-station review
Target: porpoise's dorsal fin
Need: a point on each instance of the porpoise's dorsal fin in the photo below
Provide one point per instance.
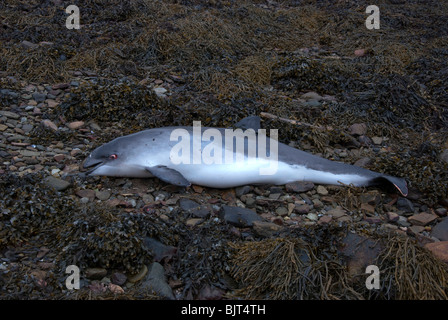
(399, 183)
(169, 175)
(250, 122)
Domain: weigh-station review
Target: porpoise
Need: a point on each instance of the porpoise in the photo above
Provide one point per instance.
(156, 152)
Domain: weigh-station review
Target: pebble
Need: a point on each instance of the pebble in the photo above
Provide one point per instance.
(139, 275)
(49, 124)
(75, 125)
(265, 229)
(155, 281)
(392, 216)
(9, 114)
(243, 190)
(238, 217)
(56, 183)
(311, 96)
(95, 273)
(86, 193)
(359, 252)
(102, 195)
(422, 219)
(158, 250)
(299, 186)
(118, 278)
(439, 249)
(405, 205)
(281, 211)
(193, 222)
(302, 208)
(39, 97)
(322, 190)
(358, 129)
(440, 230)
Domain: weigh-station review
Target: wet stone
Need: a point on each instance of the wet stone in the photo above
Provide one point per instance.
(243, 190)
(39, 97)
(266, 229)
(322, 190)
(56, 183)
(439, 249)
(299, 186)
(405, 205)
(440, 230)
(118, 278)
(422, 219)
(102, 195)
(9, 114)
(95, 273)
(238, 217)
(156, 281)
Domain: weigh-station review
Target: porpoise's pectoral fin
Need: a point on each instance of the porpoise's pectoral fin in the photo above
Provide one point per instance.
(169, 175)
(399, 183)
(251, 122)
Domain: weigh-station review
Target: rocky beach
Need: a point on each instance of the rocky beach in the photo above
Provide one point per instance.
(373, 98)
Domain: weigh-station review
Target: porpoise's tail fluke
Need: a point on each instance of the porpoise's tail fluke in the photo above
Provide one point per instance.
(399, 183)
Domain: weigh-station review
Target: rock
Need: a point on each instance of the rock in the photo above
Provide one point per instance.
(193, 222)
(405, 205)
(243, 190)
(367, 207)
(95, 273)
(57, 184)
(238, 217)
(373, 220)
(377, 140)
(359, 252)
(265, 229)
(281, 211)
(311, 96)
(302, 208)
(439, 249)
(75, 125)
(202, 211)
(155, 281)
(160, 91)
(9, 114)
(299, 186)
(440, 230)
(358, 129)
(187, 204)
(322, 190)
(325, 219)
(39, 97)
(139, 275)
(3, 127)
(86, 193)
(118, 278)
(49, 124)
(115, 288)
(28, 45)
(422, 219)
(312, 216)
(337, 213)
(441, 212)
(392, 216)
(102, 195)
(360, 52)
(158, 250)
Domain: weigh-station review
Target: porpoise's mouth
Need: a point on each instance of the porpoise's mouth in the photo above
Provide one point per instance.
(93, 164)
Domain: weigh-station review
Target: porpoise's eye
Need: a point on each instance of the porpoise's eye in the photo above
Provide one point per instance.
(113, 156)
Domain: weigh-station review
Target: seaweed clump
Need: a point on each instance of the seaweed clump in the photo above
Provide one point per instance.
(302, 265)
(424, 170)
(410, 272)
